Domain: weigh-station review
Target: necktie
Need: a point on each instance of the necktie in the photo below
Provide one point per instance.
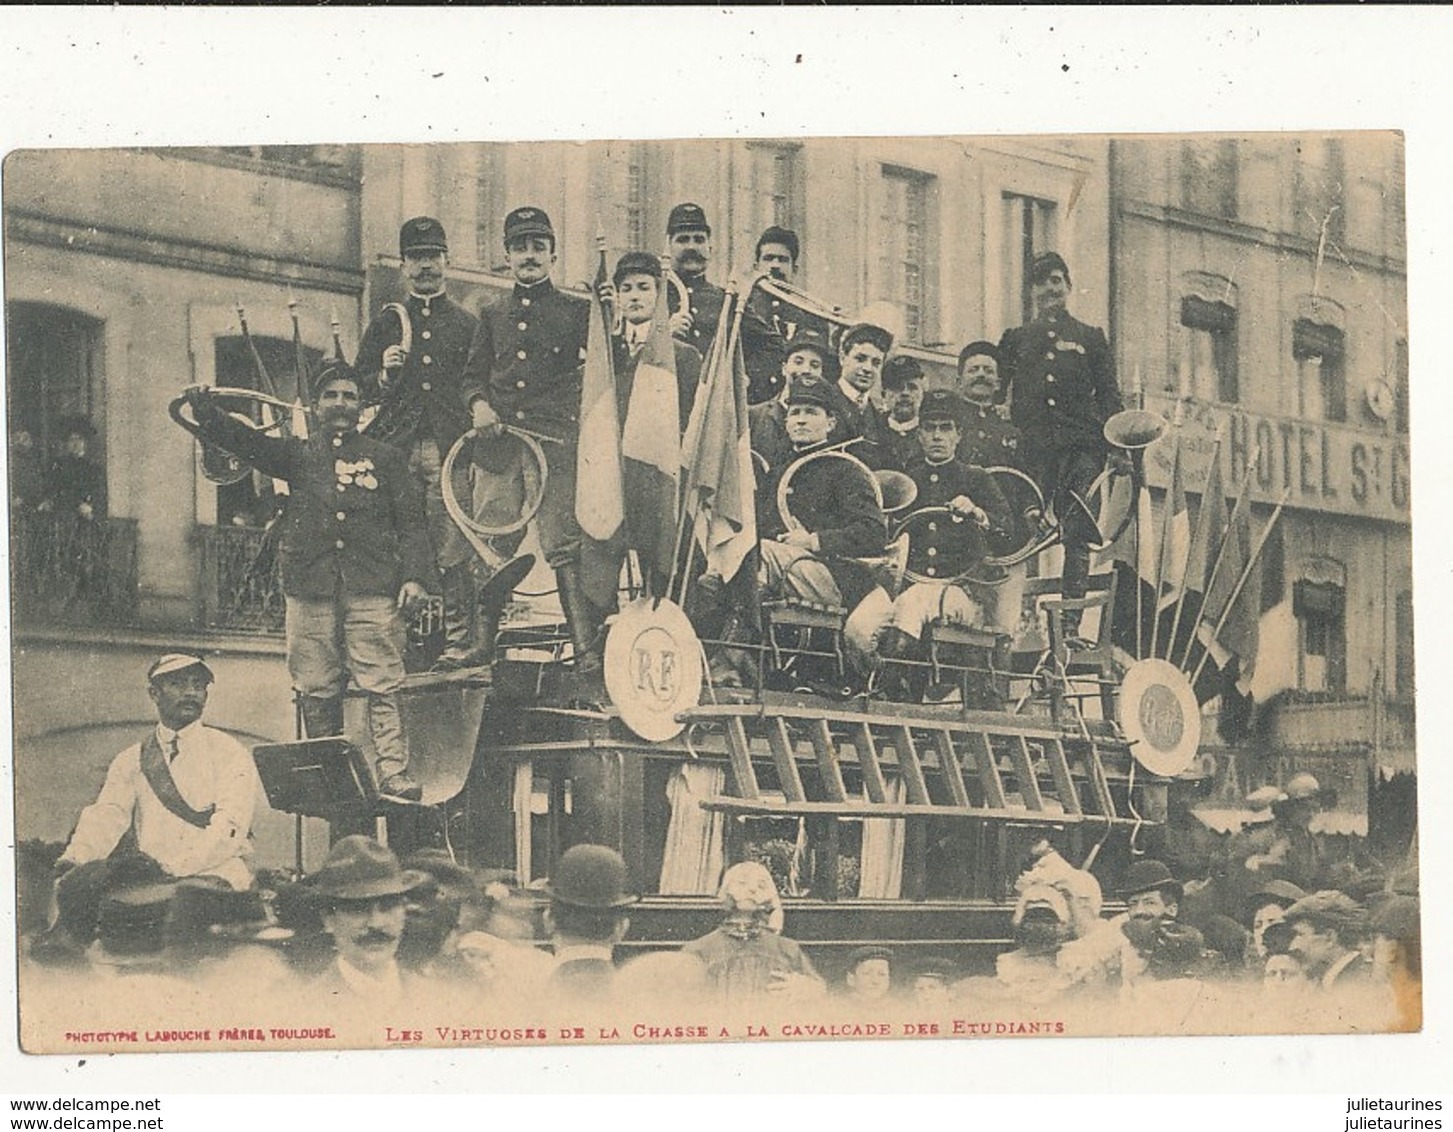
(171, 751)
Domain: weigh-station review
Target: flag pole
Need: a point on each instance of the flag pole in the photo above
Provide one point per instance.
(1165, 522)
(1137, 464)
(1203, 521)
(1221, 550)
(1241, 581)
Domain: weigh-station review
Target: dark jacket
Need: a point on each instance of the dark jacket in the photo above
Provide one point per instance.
(526, 356)
(426, 397)
(767, 325)
(989, 440)
(706, 303)
(938, 546)
(75, 480)
(835, 501)
(1061, 376)
(354, 523)
(880, 445)
(688, 376)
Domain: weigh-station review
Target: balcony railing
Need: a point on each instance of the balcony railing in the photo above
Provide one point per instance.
(66, 570)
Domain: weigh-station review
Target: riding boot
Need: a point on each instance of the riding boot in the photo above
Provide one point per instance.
(1074, 582)
(463, 647)
(582, 619)
(322, 716)
(733, 667)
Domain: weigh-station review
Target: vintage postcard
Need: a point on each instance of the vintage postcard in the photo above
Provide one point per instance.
(699, 591)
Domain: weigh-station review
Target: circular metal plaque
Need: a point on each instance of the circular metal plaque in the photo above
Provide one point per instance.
(653, 667)
(1160, 716)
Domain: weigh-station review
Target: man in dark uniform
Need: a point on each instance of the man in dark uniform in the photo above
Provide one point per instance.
(769, 322)
(422, 412)
(942, 549)
(838, 519)
(990, 439)
(807, 356)
(902, 398)
(1060, 375)
(524, 371)
(861, 355)
(354, 554)
(690, 238)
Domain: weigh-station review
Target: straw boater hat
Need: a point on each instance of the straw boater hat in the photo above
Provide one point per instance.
(169, 664)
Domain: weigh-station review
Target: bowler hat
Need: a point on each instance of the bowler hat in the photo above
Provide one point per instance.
(899, 370)
(422, 234)
(977, 349)
(687, 217)
(1149, 875)
(942, 405)
(170, 663)
(591, 877)
(1045, 263)
(807, 339)
(1274, 891)
(636, 263)
(359, 868)
(809, 390)
(527, 221)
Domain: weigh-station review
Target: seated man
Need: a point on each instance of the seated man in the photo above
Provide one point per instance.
(185, 795)
(945, 550)
(807, 356)
(838, 520)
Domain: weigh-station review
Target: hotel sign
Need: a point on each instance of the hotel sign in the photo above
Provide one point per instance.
(1326, 467)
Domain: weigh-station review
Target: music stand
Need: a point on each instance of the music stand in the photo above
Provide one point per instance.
(319, 778)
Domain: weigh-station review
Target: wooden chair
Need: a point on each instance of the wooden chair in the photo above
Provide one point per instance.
(1068, 657)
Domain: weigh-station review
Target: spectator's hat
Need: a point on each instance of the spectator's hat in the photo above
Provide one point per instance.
(1273, 891)
(359, 868)
(687, 217)
(592, 877)
(1329, 909)
(422, 234)
(205, 915)
(131, 926)
(862, 955)
(1397, 918)
(527, 221)
(936, 967)
(170, 663)
(1149, 875)
(1040, 899)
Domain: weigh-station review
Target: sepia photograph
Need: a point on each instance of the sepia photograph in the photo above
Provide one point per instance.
(626, 591)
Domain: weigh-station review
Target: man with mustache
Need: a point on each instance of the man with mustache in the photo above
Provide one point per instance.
(185, 795)
(768, 322)
(361, 892)
(422, 412)
(990, 439)
(524, 370)
(689, 236)
(355, 555)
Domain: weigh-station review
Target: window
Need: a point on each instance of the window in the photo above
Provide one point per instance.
(1208, 350)
(52, 374)
(489, 207)
(905, 251)
(1318, 190)
(1029, 228)
(1320, 610)
(773, 185)
(627, 186)
(1208, 177)
(1321, 373)
(1404, 644)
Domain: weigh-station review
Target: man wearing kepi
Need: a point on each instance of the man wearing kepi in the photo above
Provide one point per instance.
(524, 371)
(185, 794)
(1061, 377)
(354, 557)
(690, 238)
(422, 412)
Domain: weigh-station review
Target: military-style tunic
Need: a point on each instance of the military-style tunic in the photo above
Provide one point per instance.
(989, 439)
(706, 300)
(526, 356)
(1061, 376)
(355, 518)
(424, 399)
(767, 325)
(939, 546)
(834, 501)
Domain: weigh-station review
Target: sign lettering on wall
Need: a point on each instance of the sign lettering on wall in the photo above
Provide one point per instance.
(1326, 467)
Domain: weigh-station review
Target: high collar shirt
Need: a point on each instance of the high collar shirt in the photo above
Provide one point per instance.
(1060, 376)
(210, 769)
